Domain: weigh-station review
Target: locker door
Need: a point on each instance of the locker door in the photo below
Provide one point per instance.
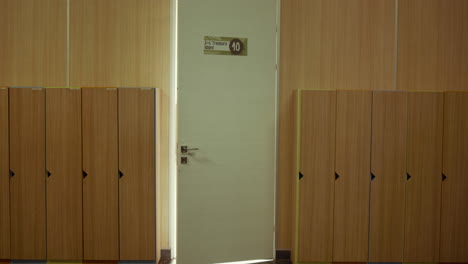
(353, 148)
(100, 164)
(424, 167)
(137, 168)
(388, 165)
(4, 177)
(64, 170)
(27, 162)
(454, 210)
(317, 165)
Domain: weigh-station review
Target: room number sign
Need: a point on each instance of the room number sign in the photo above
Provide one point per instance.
(225, 46)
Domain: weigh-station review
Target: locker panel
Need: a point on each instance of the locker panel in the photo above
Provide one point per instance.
(4, 177)
(353, 150)
(100, 164)
(27, 161)
(137, 165)
(388, 165)
(424, 168)
(454, 209)
(64, 184)
(317, 165)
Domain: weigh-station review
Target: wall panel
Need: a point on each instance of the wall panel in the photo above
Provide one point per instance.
(34, 42)
(126, 43)
(432, 45)
(4, 177)
(27, 162)
(100, 163)
(424, 166)
(317, 164)
(328, 44)
(454, 210)
(388, 164)
(137, 165)
(353, 150)
(64, 185)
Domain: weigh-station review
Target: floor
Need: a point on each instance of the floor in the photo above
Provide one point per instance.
(270, 262)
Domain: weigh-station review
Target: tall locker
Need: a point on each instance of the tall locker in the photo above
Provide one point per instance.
(64, 171)
(424, 168)
(27, 165)
(317, 169)
(137, 171)
(100, 172)
(4, 177)
(353, 148)
(454, 209)
(388, 168)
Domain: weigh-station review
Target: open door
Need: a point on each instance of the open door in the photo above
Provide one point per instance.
(227, 121)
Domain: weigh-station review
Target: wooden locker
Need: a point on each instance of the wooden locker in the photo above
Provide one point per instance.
(454, 209)
(388, 165)
(137, 170)
(64, 170)
(353, 150)
(4, 177)
(27, 163)
(317, 165)
(100, 171)
(424, 168)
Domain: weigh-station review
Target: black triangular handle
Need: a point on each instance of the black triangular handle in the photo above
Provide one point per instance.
(337, 176)
(444, 177)
(48, 173)
(408, 177)
(84, 174)
(372, 176)
(12, 174)
(301, 175)
(120, 174)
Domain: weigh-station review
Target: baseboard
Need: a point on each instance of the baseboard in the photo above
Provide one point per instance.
(283, 254)
(165, 255)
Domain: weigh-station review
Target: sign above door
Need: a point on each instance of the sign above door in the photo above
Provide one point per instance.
(225, 46)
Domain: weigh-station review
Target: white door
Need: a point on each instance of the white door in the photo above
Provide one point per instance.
(227, 109)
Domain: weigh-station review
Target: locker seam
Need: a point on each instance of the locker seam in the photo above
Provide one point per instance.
(406, 181)
(370, 181)
(82, 182)
(9, 168)
(334, 182)
(442, 172)
(118, 170)
(44, 172)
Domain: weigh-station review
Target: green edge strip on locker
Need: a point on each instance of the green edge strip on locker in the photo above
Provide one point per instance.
(298, 163)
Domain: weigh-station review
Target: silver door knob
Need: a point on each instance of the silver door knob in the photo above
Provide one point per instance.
(185, 149)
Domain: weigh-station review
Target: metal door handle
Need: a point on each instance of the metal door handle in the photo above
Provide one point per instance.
(185, 149)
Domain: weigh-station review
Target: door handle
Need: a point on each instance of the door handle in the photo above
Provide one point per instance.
(185, 149)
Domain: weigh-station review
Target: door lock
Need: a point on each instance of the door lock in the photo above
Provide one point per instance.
(185, 149)
(183, 160)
